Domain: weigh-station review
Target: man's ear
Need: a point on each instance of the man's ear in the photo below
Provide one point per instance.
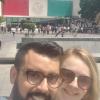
(13, 74)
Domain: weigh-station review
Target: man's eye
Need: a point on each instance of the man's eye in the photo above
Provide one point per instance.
(34, 77)
(33, 74)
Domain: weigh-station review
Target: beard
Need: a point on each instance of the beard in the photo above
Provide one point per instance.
(36, 95)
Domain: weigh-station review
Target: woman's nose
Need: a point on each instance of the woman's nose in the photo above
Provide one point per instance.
(74, 83)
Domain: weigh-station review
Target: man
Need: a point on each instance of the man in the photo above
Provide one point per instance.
(35, 74)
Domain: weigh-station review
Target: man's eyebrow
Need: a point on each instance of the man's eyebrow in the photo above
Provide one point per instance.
(30, 69)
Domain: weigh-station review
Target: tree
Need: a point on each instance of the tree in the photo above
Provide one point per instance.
(89, 8)
(1, 0)
(27, 24)
(1, 19)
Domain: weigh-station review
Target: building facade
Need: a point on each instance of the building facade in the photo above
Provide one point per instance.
(76, 7)
(13, 9)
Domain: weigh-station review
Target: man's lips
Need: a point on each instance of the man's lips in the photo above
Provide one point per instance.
(38, 97)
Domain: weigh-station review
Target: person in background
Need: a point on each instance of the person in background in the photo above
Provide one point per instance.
(35, 74)
(0, 44)
(80, 76)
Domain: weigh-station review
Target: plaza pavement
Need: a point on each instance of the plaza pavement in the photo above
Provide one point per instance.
(9, 50)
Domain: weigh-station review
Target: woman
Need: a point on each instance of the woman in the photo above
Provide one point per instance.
(79, 73)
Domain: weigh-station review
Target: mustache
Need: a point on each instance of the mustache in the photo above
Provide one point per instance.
(39, 94)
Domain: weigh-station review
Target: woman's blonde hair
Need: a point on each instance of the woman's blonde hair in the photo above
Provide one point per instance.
(83, 54)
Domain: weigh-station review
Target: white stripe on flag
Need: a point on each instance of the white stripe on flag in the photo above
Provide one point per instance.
(0, 9)
(38, 8)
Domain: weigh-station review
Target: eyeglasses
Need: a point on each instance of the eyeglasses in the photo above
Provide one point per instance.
(84, 82)
(35, 78)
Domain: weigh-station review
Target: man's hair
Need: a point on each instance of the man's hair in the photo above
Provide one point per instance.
(49, 49)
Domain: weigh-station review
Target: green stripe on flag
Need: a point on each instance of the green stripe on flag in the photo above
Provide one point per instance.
(60, 7)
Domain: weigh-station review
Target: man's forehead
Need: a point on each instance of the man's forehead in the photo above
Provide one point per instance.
(38, 62)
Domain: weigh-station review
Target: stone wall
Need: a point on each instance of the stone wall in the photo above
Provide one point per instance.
(91, 44)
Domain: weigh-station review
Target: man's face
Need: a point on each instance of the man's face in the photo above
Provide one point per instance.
(24, 87)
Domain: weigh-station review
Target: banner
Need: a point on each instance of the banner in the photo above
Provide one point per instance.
(37, 8)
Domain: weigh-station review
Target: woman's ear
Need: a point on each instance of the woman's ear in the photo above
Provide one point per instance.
(13, 74)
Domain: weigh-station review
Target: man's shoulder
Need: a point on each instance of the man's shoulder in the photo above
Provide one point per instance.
(3, 98)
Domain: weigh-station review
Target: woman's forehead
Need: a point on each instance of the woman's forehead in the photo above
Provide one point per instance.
(76, 64)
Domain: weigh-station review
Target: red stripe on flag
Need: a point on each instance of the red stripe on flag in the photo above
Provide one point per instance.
(16, 7)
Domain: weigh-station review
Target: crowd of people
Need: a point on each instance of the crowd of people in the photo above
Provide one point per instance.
(70, 26)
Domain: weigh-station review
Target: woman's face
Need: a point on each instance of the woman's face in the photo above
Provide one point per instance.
(75, 88)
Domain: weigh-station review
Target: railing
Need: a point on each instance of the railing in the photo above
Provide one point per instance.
(7, 60)
(11, 60)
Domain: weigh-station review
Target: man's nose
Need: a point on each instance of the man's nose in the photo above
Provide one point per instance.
(43, 86)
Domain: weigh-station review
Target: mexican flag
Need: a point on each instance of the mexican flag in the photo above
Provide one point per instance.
(37, 8)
